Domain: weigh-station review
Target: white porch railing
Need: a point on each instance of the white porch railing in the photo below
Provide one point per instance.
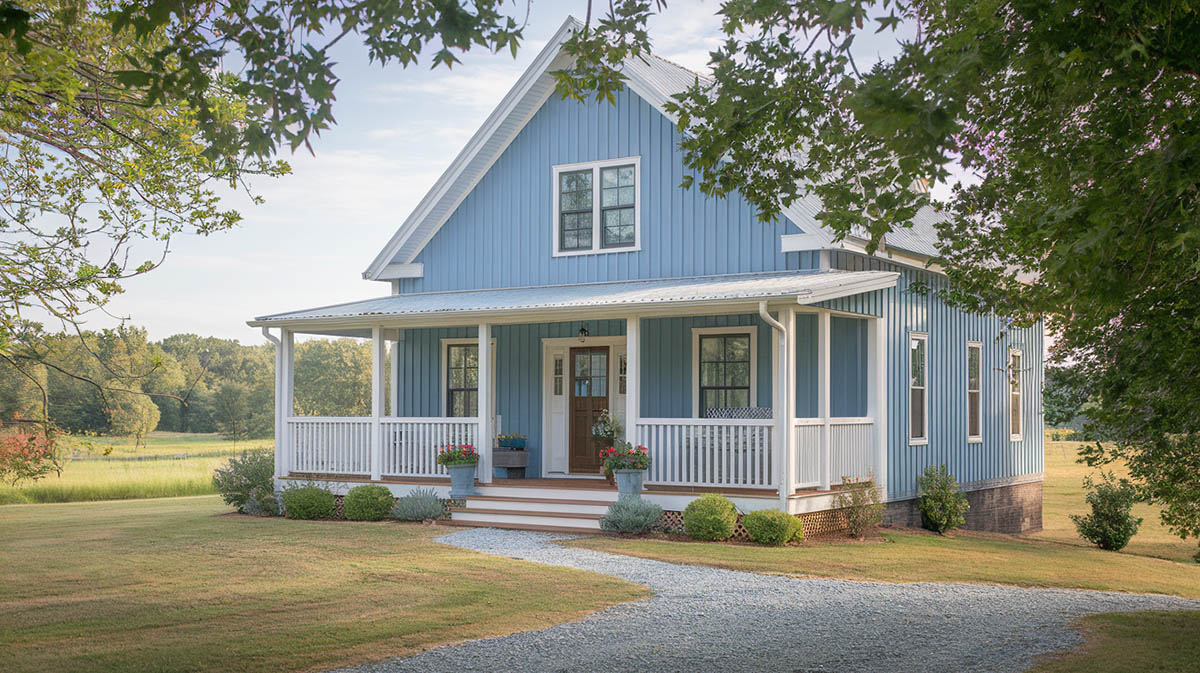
(851, 449)
(708, 451)
(330, 445)
(411, 445)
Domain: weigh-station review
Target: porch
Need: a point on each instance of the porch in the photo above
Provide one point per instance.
(790, 452)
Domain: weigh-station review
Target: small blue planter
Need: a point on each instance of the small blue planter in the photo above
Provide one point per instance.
(629, 482)
(512, 442)
(462, 481)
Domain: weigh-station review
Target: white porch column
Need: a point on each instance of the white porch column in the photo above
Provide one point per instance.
(394, 379)
(484, 400)
(378, 356)
(633, 377)
(778, 401)
(287, 405)
(823, 395)
(877, 358)
(788, 375)
(280, 421)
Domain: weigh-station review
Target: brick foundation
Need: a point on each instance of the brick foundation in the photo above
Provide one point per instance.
(1015, 508)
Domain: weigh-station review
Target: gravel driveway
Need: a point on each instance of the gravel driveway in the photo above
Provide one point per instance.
(703, 619)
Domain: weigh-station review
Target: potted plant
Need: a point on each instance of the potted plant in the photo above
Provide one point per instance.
(629, 464)
(511, 441)
(604, 434)
(461, 460)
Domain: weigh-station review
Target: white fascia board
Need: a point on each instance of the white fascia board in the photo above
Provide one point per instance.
(536, 70)
(859, 287)
(396, 271)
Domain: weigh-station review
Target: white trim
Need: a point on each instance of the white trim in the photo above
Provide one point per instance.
(975, 439)
(877, 397)
(917, 441)
(597, 225)
(697, 332)
(1019, 435)
(549, 344)
(396, 271)
(442, 364)
(824, 390)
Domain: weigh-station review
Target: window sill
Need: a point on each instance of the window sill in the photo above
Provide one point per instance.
(918, 442)
(974, 440)
(596, 251)
(1016, 438)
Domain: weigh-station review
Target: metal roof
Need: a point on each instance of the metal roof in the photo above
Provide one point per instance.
(805, 287)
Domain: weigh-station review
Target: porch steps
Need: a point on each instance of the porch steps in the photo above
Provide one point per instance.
(503, 518)
(538, 508)
(523, 526)
(498, 503)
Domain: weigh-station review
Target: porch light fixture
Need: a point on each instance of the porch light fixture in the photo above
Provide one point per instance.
(583, 333)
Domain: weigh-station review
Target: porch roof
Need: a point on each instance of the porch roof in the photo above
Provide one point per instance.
(804, 287)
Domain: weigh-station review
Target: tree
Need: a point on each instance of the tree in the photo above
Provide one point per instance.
(333, 378)
(1064, 394)
(1078, 125)
(132, 415)
(231, 410)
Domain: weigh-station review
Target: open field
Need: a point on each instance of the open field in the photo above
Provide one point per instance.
(173, 585)
(1056, 557)
(164, 444)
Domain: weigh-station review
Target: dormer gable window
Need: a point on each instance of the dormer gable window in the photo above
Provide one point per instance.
(597, 207)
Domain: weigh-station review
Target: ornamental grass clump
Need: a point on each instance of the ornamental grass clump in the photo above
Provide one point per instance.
(631, 515)
(369, 502)
(458, 454)
(420, 504)
(1111, 523)
(710, 517)
(773, 527)
(943, 508)
(308, 502)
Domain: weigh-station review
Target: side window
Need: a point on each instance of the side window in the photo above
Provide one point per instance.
(1016, 425)
(918, 403)
(974, 391)
(462, 380)
(725, 369)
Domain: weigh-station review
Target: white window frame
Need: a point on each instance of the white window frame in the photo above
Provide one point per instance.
(918, 441)
(697, 332)
(975, 439)
(1015, 434)
(595, 166)
(444, 364)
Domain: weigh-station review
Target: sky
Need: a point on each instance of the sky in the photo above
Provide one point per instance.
(398, 129)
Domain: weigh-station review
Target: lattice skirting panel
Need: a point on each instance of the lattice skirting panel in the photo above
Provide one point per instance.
(816, 524)
(339, 502)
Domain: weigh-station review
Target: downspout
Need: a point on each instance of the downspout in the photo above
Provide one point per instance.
(781, 415)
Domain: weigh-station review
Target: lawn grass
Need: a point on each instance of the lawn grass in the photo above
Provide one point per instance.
(1133, 642)
(179, 585)
(1055, 557)
(118, 480)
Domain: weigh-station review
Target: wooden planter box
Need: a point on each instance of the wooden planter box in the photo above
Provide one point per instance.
(510, 458)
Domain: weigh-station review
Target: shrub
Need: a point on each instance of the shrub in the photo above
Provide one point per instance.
(369, 502)
(861, 504)
(421, 504)
(631, 515)
(243, 474)
(262, 502)
(710, 517)
(1111, 523)
(773, 527)
(943, 508)
(308, 502)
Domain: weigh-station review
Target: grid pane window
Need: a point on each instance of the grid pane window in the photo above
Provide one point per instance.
(462, 380)
(724, 372)
(974, 397)
(1015, 419)
(575, 210)
(617, 196)
(917, 396)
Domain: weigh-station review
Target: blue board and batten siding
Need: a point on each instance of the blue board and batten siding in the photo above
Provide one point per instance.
(907, 311)
(501, 235)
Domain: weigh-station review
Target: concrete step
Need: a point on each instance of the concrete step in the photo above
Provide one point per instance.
(522, 526)
(608, 495)
(504, 518)
(574, 506)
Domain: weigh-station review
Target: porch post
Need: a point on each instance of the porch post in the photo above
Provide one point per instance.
(280, 421)
(823, 395)
(394, 378)
(287, 405)
(789, 402)
(633, 377)
(483, 398)
(378, 355)
(877, 357)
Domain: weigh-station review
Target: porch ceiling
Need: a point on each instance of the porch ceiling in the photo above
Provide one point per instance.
(618, 298)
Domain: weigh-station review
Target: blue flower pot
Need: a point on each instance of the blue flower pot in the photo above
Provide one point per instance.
(462, 481)
(512, 442)
(629, 482)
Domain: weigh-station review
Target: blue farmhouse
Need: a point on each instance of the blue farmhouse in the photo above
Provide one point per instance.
(557, 270)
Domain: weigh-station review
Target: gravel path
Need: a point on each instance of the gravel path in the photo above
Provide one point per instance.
(703, 619)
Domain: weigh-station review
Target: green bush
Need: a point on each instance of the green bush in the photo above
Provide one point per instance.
(369, 502)
(773, 527)
(1111, 523)
(710, 517)
(943, 508)
(243, 474)
(861, 504)
(421, 504)
(631, 515)
(308, 502)
(262, 502)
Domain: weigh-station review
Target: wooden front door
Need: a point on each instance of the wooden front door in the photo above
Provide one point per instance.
(589, 397)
